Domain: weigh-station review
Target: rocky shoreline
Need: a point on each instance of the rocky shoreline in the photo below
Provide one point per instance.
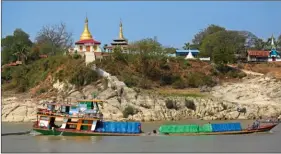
(257, 97)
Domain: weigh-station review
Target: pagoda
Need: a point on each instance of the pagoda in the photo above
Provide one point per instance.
(274, 54)
(119, 42)
(87, 46)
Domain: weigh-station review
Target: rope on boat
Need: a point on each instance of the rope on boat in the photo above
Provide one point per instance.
(16, 133)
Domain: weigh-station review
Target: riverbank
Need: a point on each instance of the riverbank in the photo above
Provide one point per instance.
(259, 96)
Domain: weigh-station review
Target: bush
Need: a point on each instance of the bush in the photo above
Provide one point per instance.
(131, 81)
(179, 84)
(190, 104)
(129, 110)
(170, 104)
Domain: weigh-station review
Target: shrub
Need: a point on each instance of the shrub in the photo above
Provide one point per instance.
(131, 81)
(170, 104)
(190, 104)
(129, 110)
(166, 80)
(179, 84)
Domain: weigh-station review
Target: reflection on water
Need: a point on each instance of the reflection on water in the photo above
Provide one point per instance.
(93, 139)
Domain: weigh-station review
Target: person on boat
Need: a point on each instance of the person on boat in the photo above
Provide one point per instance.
(256, 124)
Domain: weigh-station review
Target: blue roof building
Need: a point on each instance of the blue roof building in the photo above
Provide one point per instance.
(185, 52)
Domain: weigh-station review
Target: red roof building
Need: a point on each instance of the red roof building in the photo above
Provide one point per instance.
(258, 55)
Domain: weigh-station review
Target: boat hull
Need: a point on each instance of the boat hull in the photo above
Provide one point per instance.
(58, 132)
(261, 129)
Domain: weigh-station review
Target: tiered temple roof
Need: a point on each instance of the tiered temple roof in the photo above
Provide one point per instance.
(121, 40)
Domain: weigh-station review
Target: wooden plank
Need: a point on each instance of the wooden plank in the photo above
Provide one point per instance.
(90, 124)
(79, 124)
(72, 123)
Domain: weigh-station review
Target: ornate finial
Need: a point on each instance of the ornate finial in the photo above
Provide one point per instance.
(86, 20)
(121, 30)
(272, 42)
(86, 33)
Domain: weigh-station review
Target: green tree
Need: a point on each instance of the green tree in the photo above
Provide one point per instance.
(279, 43)
(147, 46)
(199, 37)
(15, 46)
(259, 44)
(170, 50)
(190, 46)
(222, 46)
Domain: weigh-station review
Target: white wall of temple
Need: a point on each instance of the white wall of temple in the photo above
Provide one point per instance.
(93, 48)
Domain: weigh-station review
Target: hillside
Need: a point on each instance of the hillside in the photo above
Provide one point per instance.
(38, 77)
(152, 72)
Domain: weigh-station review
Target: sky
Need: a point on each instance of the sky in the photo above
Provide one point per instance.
(173, 23)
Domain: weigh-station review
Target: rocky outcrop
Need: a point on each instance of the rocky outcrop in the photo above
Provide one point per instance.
(257, 97)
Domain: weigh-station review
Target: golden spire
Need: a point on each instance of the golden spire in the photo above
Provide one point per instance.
(121, 30)
(86, 33)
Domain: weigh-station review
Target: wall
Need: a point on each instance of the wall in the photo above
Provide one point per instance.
(89, 57)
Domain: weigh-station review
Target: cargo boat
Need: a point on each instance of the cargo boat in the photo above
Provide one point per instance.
(216, 129)
(81, 119)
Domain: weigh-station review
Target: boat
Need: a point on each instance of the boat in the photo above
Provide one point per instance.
(250, 130)
(272, 121)
(81, 119)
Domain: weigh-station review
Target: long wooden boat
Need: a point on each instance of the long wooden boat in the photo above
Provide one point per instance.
(265, 128)
(84, 123)
(80, 123)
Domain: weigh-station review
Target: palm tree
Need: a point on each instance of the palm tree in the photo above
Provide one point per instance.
(20, 52)
(186, 46)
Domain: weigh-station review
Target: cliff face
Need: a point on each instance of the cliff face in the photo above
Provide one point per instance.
(257, 97)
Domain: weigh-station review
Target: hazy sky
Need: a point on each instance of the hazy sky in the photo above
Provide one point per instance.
(174, 23)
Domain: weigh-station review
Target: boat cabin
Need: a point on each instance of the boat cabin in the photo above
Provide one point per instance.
(83, 115)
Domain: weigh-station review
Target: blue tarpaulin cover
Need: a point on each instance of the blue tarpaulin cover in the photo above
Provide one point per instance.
(120, 127)
(223, 127)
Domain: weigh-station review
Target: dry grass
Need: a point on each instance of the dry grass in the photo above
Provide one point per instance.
(273, 68)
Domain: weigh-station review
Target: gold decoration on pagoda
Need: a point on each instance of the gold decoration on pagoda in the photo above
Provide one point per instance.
(121, 30)
(86, 35)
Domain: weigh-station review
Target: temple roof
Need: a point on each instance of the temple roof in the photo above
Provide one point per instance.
(87, 41)
(274, 53)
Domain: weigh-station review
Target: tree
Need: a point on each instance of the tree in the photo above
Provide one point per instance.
(222, 46)
(170, 50)
(147, 46)
(190, 46)
(259, 44)
(15, 46)
(21, 51)
(199, 37)
(57, 36)
(279, 42)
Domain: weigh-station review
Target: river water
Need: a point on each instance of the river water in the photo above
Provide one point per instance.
(266, 142)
